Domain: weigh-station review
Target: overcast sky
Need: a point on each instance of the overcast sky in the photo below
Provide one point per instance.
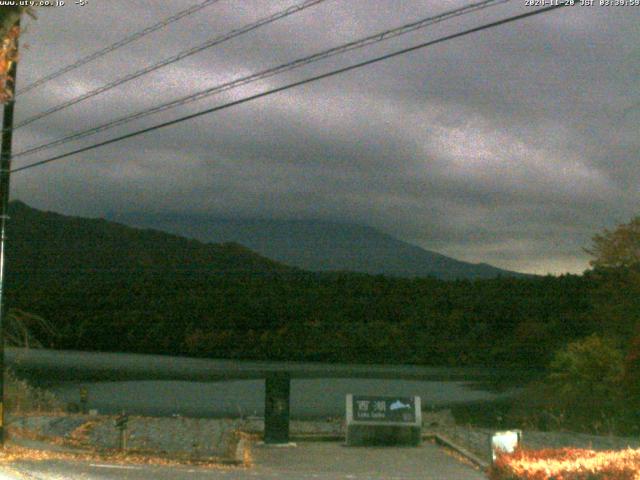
(512, 146)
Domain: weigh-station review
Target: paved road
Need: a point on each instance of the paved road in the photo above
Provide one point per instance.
(309, 460)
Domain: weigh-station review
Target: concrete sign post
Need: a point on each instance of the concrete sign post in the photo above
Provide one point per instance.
(376, 420)
(121, 423)
(276, 408)
(84, 399)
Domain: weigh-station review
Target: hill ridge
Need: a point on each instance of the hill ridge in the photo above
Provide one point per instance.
(320, 245)
(89, 243)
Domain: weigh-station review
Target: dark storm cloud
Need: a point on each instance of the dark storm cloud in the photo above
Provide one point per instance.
(512, 146)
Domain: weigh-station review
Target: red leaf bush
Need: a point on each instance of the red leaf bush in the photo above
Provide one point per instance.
(8, 55)
(566, 464)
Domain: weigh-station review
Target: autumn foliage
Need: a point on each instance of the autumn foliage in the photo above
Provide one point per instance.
(567, 464)
(8, 55)
(617, 248)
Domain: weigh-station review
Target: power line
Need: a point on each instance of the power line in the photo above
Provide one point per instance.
(356, 44)
(121, 43)
(295, 84)
(243, 81)
(163, 63)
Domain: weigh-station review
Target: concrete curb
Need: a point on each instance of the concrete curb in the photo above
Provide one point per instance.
(319, 437)
(447, 442)
(236, 458)
(262, 444)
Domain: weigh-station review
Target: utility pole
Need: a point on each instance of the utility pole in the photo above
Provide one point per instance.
(5, 172)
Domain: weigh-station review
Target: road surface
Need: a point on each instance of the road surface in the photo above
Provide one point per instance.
(306, 461)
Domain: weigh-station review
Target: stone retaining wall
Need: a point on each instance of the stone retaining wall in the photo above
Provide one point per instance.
(219, 437)
(173, 436)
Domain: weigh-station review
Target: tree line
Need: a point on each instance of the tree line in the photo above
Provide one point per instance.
(103, 286)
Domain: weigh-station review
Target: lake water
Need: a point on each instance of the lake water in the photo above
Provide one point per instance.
(165, 385)
(309, 398)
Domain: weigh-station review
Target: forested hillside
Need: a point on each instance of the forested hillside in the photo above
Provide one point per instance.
(109, 287)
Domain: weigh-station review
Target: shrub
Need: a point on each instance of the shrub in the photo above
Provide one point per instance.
(20, 397)
(587, 380)
(566, 464)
